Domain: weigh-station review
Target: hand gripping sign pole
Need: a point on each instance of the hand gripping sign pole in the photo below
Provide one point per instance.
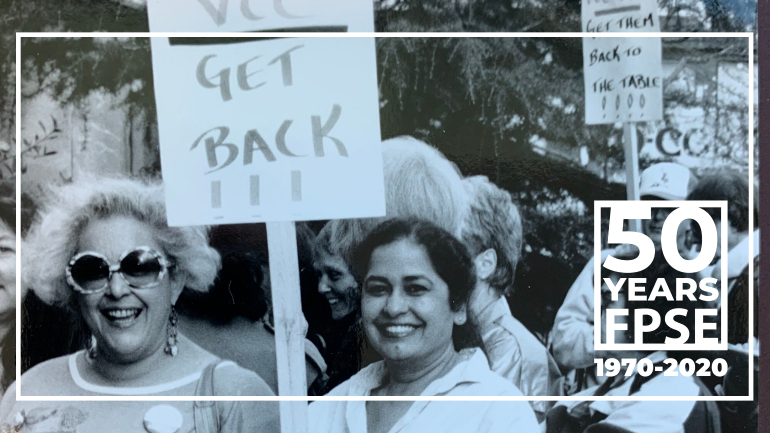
(623, 76)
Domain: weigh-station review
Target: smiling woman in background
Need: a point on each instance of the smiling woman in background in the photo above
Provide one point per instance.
(346, 350)
(416, 281)
(103, 250)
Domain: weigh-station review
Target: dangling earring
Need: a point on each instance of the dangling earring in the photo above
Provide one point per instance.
(171, 333)
(92, 348)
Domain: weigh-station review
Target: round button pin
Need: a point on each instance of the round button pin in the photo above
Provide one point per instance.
(163, 419)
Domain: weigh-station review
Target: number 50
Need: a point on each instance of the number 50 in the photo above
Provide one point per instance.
(628, 210)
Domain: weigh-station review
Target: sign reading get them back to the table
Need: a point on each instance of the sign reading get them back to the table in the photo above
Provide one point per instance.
(623, 76)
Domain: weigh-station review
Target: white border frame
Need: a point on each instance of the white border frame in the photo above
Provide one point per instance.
(609, 204)
(748, 35)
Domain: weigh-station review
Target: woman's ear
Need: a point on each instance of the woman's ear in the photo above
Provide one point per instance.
(177, 285)
(461, 316)
(485, 263)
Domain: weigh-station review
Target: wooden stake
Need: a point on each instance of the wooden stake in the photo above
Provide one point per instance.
(289, 332)
(631, 151)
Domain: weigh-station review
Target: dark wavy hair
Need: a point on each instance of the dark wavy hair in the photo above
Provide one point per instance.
(449, 257)
(733, 187)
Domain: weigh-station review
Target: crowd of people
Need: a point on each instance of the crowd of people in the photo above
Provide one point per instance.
(411, 304)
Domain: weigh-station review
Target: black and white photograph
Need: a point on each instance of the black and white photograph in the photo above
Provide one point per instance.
(357, 220)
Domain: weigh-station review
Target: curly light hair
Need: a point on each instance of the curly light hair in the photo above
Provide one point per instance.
(54, 235)
(420, 183)
(493, 222)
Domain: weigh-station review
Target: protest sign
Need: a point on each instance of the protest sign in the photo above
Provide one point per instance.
(623, 80)
(623, 76)
(620, 16)
(269, 129)
(260, 15)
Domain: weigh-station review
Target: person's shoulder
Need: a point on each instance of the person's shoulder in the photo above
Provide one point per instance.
(230, 379)
(525, 340)
(9, 399)
(44, 378)
(484, 381)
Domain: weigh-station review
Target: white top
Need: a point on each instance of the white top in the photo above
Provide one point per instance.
(60, 377)
(143, 390)
(471, 377)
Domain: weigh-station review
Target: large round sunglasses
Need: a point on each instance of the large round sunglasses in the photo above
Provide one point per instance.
(141, 268)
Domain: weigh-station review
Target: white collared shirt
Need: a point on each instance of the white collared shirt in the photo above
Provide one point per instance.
(471, 377)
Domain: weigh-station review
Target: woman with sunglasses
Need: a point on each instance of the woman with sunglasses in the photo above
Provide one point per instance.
(102, 249)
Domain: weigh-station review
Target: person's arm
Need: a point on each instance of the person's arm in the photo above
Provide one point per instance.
(9, 399)
(501, 348)
(245, 416)
(737, 258)
(572, 336)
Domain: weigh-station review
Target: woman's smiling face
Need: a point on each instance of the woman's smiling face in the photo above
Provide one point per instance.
(129, 324)
(337, 284)
(405, 304)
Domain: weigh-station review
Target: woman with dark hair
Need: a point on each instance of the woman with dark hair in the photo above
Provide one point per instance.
(416, 280)
(419, 183)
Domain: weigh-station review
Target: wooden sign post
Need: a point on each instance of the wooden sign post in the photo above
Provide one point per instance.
(623, 76)
(275, 130)
(288, 318)
(631, 153)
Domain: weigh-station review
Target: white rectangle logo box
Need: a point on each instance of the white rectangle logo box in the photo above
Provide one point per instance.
(598, 344)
